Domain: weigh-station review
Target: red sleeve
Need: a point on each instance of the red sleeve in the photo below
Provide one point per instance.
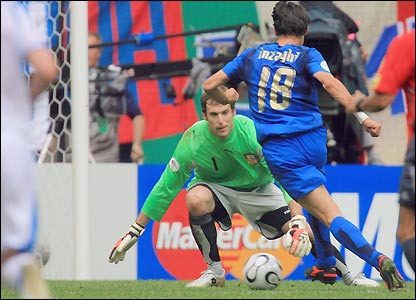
(398, 63)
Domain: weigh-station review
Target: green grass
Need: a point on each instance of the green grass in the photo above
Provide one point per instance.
(233, 289)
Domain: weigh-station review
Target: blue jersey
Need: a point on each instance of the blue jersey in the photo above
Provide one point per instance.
(282, 91)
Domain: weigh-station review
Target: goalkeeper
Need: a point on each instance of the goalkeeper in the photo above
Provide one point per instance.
(231, 176)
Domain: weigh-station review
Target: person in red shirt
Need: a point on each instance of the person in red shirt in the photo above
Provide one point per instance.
(396, 72)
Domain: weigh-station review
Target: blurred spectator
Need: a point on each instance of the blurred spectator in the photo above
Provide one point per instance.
(347, 140)
(109, 100)
(395, 74)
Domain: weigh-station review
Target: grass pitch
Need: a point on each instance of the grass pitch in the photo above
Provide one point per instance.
(233, 289)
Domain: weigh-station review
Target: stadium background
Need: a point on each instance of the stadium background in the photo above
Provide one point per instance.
(112, 186)
(166, 118)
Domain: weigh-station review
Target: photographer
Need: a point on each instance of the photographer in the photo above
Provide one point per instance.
(109, 100)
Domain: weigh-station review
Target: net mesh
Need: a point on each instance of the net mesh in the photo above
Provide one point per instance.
(52, 123)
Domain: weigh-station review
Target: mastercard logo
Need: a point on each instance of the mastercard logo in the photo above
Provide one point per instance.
(178, 252)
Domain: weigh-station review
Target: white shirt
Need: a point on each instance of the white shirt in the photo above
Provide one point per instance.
(19, 37)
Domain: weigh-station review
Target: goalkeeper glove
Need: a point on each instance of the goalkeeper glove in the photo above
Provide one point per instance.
(125, 243)
(296, 240)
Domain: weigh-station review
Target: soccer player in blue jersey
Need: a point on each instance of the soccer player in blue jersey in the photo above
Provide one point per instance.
(230, 176)
(281, 79)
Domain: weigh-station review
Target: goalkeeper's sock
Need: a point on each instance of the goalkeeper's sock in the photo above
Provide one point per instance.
(217, 268)
(351, 238)
(205, 235)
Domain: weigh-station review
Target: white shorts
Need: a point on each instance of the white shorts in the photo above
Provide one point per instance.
(252, 205)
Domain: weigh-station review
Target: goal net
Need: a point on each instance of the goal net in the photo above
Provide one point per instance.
(52, 109)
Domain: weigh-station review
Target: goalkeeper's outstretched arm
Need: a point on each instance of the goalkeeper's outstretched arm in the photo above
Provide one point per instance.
(142, 219)
(128, 240)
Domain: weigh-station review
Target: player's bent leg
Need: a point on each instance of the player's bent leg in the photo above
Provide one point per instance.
(205, 234)
(351, 237)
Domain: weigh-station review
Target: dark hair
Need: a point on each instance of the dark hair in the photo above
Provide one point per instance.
(204, 101)
(290, 19)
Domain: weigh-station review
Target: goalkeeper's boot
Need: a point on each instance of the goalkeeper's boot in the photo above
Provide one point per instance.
(394, 281)
(327, 276)
(34, 287)
(207, 279)
(361, 280)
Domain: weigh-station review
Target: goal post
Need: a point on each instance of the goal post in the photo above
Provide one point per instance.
(66, 136)
(80, 133)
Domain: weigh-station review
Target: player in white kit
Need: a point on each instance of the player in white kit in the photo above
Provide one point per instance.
(20, 43)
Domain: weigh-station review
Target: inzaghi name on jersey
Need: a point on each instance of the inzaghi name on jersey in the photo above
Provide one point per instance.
(286, 56)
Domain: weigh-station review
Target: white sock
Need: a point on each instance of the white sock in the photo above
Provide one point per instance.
(217, 268)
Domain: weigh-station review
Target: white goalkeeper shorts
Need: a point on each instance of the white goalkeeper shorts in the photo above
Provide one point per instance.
(251, 204)
(18, 202)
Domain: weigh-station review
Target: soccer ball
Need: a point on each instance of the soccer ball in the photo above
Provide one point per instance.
(262, 271)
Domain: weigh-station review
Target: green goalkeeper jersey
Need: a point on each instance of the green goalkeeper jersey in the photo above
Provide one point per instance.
(235, 162)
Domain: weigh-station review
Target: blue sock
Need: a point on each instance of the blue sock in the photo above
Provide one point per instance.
(324, 254)
(351, 238)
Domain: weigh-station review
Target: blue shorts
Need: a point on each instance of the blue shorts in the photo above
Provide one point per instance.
(298, 161)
